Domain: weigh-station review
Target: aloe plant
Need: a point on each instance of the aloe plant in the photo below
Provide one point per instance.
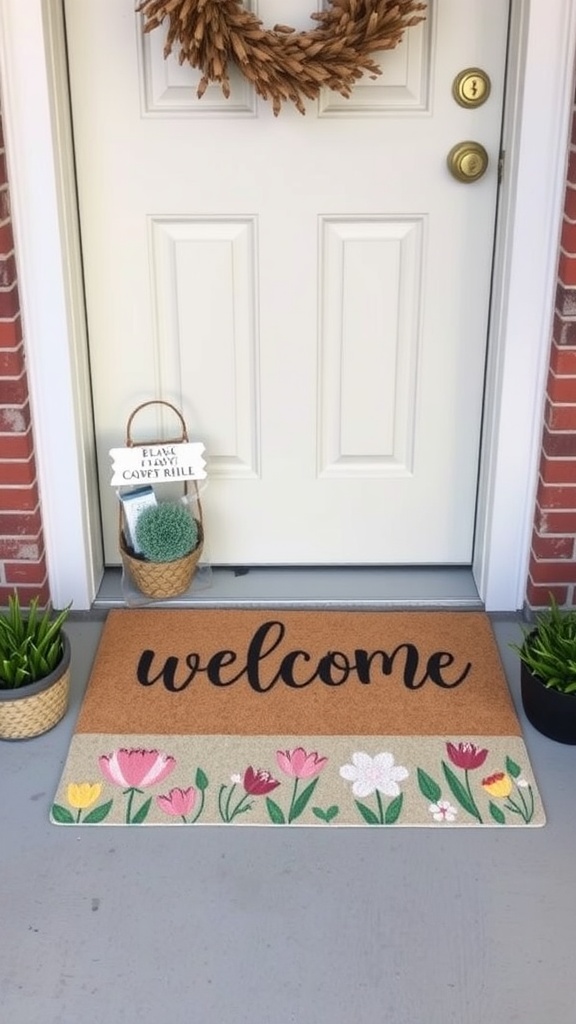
(31, 644)
(549, 648)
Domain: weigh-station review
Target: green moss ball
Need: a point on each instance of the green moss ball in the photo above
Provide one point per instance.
(166, 532)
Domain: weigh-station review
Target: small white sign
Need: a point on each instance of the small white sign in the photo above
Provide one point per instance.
(157, 464)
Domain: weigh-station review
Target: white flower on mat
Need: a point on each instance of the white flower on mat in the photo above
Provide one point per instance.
(443, 811)
(522, 782)
(236, 779)
(369, 774)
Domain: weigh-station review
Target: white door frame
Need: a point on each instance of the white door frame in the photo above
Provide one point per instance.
(40, 158)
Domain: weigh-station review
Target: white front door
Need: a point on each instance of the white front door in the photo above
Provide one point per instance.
(312, 291)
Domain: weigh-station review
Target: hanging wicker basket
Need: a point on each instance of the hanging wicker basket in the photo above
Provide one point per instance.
(161, 579)
(32, 710)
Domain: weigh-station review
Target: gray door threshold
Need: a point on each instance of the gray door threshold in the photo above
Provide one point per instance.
(310, 587)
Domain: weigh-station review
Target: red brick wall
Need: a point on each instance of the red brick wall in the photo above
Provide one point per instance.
(553, 556)
(22, 560)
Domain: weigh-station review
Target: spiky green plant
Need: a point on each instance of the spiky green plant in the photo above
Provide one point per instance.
(166, 532)
(31, 644)
(549, 648)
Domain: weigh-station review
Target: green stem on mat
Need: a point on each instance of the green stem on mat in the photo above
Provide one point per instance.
(228, 802)
(529, 810)
(293, 801)
(239, 809)
(524, 804)
(523, 811)
(475, 810)
(380, 807)
(513, 806)
(220, 795)
(131, 793)
(531, 813)
(200, 809)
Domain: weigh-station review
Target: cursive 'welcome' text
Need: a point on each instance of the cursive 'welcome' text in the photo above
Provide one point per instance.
(267, 663)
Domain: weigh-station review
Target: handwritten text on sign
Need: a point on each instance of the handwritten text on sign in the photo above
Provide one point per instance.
(157, 463)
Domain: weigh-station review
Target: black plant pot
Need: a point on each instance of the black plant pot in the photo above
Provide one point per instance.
(552, 712)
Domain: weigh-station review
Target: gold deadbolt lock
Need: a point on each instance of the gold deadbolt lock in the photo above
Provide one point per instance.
(471, 88)
(467, 161)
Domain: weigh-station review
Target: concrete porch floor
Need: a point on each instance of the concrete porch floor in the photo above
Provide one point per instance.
(267, 926)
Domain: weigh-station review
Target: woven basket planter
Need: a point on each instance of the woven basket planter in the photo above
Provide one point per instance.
(162, 579)
(29, 711)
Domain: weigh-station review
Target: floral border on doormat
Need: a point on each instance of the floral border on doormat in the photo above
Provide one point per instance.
(465, 783)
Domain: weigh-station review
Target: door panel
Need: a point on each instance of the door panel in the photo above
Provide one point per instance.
(313, 291)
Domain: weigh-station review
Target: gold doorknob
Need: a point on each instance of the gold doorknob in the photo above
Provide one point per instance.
(467, 161)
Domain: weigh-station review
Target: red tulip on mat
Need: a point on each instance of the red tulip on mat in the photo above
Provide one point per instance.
(466, 755)
(257, 782)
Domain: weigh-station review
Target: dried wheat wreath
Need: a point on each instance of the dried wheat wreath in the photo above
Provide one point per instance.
(282, 64)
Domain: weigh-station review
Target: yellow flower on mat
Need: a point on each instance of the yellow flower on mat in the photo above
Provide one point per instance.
(83, 794)
(499, 784)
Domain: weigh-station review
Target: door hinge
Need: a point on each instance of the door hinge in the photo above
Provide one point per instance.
(501, 160)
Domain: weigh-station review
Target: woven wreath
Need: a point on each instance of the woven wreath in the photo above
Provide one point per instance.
(283, 65)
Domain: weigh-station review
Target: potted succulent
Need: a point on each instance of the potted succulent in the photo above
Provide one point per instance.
(34, 669)
(548, 673)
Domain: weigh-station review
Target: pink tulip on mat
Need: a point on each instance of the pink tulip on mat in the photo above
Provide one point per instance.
(178, 802)
(298, 764)
(136, 768)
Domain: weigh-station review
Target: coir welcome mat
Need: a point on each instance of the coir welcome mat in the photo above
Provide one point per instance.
(305, 717)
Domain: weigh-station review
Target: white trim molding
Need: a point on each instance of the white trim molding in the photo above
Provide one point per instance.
(40, 160)
(36, 126)
(539, 104)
